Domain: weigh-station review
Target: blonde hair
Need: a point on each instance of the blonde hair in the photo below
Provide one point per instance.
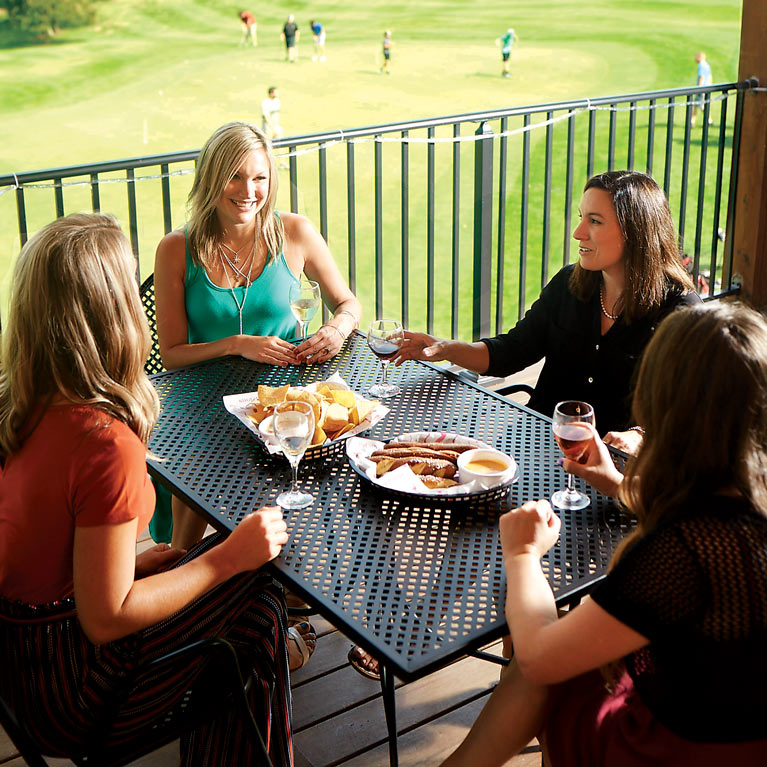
(701, 396)
(76, 327)
(221, 157)
(652, 263)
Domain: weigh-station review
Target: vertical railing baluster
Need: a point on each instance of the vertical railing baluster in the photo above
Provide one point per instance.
(727, 274)
(293, 175)
(611, 138)
(650, 137)
(323, 192)
(130, 188)
(95, 196)
(669, 148)
(351, 217)
(545, 235)
(21, 214)
(430, 172)
(701, 197)
(167, 216)
(405, 228)
(568, 189)
(483, 230)
(632, 133)
(378, 218)
(501, 244)
(717, 197)
(456, 239)
(58, 193)
(682, 221)
(523, 222)
(592, 141)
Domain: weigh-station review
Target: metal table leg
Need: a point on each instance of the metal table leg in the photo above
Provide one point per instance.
(390, 710)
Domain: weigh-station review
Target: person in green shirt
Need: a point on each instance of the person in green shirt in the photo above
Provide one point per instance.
(506, 41)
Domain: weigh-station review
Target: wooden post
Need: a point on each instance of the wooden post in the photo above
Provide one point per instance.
(750, 235)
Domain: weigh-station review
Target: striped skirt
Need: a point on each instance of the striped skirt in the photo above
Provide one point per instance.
(61, 685)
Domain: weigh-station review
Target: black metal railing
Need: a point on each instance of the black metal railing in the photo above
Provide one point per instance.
(452, 223)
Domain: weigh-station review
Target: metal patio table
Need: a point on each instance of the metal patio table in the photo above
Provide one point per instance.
(418, 583)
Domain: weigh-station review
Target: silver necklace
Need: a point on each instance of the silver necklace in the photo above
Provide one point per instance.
(235, 268)
(239, 305)
(235, 252)
(604, 311)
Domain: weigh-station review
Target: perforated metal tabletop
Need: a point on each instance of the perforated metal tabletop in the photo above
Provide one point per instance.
(418, 584)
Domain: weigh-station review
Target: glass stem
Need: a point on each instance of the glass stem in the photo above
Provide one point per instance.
(385, 366)
(294, 476)
(570, 488)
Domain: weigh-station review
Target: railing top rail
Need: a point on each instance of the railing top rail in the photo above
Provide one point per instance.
(16, 179)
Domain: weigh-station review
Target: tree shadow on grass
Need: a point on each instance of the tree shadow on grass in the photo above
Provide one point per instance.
(11, 38)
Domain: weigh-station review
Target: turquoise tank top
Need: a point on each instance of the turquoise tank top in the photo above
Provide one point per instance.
(212, 313)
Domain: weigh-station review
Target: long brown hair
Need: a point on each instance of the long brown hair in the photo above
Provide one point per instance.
(701, 395)
(652, 263)
(224, 152)
(75, 327)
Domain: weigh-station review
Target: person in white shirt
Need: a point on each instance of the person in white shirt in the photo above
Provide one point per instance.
(270, 114)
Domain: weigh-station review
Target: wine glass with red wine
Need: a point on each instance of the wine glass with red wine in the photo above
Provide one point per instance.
(572, 425)
(385, 338)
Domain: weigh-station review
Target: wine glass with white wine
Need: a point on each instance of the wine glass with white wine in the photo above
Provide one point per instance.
(572, 423)
(304, 301)
(294, 428)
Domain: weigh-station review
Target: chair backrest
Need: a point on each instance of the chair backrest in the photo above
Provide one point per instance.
(153, 362)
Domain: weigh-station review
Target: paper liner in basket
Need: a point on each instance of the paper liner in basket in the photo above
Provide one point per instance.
(238, 405)
(402, 478)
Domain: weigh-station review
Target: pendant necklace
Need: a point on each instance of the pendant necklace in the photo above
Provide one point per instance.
(240, 305)
(236, 257)
(607, 314)
(234, 267)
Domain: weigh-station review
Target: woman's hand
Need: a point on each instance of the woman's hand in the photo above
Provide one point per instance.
(269, 349)
(596, 467)
(421, 346)
(530, 529)
(257, 539)
(156, 559)
(321, 346)
(628, 441)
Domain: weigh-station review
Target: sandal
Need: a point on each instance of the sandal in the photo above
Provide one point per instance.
(300, 637)
(297, 606)
(360, 661)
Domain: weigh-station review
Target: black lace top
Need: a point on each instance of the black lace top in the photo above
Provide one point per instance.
(696, 587)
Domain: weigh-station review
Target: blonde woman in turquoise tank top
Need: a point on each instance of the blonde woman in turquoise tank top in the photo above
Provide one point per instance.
(222, 283)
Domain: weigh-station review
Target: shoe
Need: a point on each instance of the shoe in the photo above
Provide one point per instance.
(361, 662)
(507, 74)
(305, 641)
(296, 606)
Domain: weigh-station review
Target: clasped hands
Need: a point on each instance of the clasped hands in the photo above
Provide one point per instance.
(272, 350)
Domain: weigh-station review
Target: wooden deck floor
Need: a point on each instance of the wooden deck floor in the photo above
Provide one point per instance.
(339, 717)
(338, 714)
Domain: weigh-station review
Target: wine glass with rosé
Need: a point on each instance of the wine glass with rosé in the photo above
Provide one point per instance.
(385, 338)
(572, 423)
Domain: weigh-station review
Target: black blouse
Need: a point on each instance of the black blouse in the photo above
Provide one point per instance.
(696, 587)
(581, 363)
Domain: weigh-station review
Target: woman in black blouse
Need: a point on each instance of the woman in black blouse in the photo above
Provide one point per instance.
(594, 318)
(679, 625)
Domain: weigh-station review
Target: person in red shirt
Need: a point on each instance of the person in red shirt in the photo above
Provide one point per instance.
(77, 605)
(249, 29)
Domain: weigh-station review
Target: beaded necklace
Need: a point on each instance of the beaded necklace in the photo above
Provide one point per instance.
(607, 314)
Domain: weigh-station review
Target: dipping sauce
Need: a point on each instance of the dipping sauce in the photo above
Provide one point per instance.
(486, 466)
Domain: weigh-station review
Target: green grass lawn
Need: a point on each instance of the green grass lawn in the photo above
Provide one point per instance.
(159, 75)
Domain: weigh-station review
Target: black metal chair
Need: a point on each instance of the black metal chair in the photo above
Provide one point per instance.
(153, 362)
(193, 709)
(470, 375)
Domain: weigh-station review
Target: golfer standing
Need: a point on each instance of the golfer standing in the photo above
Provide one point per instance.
(506, 41)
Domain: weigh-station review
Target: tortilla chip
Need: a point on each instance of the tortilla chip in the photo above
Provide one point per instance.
(269, 396)
(336, 417)
(348, 427)
(319, 437)
(344, 397)
(258, 412)
(365, 407)
(301, 395)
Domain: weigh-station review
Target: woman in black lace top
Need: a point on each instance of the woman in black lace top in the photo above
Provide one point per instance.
(679, 625)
